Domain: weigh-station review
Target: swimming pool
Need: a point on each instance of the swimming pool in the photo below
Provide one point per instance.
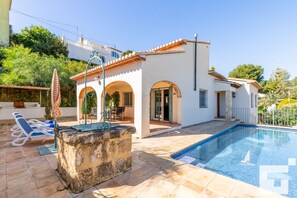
(247, 153)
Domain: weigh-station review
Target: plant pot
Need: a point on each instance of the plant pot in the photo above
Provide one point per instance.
(86, 116)
(18, 104)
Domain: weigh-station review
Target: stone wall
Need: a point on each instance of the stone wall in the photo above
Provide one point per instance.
(89, 158)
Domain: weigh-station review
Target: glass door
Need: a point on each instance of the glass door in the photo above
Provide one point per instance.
(166, 105)
(158, 104)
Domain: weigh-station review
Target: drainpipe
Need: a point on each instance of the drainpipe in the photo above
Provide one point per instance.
(195, 63)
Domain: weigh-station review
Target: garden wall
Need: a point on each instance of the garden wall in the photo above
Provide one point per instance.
(31, 111)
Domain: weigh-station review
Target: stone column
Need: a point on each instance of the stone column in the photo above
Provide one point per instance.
(228, 105)
(145, 115)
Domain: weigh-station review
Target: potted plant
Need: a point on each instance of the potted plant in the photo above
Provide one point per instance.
(18, 102)
(48, 115)
(115, 99)
(88, 103)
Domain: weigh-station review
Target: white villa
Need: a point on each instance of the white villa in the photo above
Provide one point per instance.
(172, 83)
(83, 48)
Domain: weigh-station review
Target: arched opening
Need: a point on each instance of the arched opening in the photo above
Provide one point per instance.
(119, 102)
(91, 108)
(165, 103)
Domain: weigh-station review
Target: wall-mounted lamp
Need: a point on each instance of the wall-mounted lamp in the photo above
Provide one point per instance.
(98, 79)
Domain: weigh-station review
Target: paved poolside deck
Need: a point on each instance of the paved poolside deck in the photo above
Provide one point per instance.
(23, 173)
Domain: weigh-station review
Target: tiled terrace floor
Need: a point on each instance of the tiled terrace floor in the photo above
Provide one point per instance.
(23, 173)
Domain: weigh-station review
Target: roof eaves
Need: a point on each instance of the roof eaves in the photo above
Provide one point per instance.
(24, 87)
(111, 64)
(161, 52)
(217, 75)
(253, 82)
(170, 45)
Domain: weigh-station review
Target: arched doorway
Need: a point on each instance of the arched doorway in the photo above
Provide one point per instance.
(91, 109)
(119, 102)
(165, 102)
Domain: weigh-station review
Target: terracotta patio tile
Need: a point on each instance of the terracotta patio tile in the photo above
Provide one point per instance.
(19, 181)
(38, 168)
(19, 191)
(32, 194)
(110, 188)
(156, 187)
(138, 161)
(31, 154)
(18, 174)
(182, 192)
(60, 194)
(53, 165)
(44, 173)
(16, 169)
(154, 160)
(3, 194)
(34, 158)
(210, 194)
(242, 189)
(2, 186)
(222, 185)
(46, 181)
(145, 169)
(16, 164)
(15, 157)
(192, 186)
(135, 166)
(2, 178)
(51, 157)
(202, 177)
(90, 193)
(37, 163)
(51, 189)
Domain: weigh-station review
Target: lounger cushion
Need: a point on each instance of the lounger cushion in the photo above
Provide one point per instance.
(25, 125)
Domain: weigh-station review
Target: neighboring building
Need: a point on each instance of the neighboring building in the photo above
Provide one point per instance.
(82, 49)
(160, 84)
(5, 6)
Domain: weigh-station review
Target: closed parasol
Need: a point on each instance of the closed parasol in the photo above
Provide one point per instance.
(55, 99)
(55, 95)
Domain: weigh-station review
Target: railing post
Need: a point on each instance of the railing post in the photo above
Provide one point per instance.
(273, 117)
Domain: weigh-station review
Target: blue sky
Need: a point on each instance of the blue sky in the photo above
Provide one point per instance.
(241, 32)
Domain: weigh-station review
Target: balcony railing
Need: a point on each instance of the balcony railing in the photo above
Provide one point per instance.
(280, 117)
(244, 115)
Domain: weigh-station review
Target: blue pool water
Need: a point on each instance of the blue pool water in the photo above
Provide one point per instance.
(241, 152)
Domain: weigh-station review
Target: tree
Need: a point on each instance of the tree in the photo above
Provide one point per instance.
(40, 40)
(127, 52)
(249, 71)
(23, 67)
(277, 85)
(293, 88)
(212, 68)
(2, 57)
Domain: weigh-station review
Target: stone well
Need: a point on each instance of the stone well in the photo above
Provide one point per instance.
(89, 158)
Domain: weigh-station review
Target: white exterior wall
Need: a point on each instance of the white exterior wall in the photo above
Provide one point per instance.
(254, 110)
(131, 74)
(222, 103)
(178, 68)
(242, 96)
(32, 112)
(242, 103)
(82, 50)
